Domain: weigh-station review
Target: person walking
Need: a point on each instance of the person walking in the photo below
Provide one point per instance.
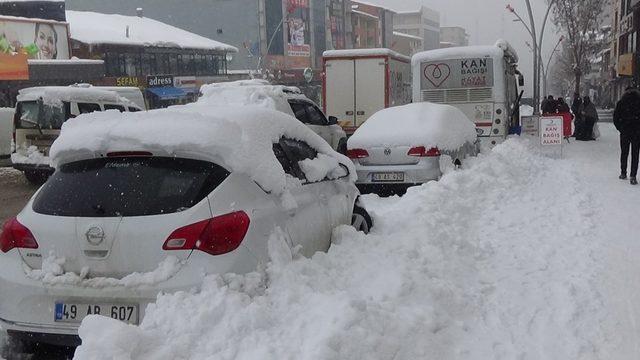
(576, 109)
(626, 118)
(548, 105)
(589, 119)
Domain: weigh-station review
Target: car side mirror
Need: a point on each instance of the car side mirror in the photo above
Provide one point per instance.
(333, 120)
(520, 80)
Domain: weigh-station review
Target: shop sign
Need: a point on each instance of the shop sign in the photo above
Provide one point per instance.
(159, 80)
(625, 64)
(128, 81)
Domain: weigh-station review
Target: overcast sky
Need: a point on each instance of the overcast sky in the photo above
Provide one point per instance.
(488, 20)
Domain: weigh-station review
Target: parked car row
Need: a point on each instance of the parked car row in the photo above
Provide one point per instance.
(143, 202)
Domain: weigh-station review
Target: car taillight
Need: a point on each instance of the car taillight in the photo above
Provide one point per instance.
(216, 236)
(357, 153)
(15, 235)
(421, 151)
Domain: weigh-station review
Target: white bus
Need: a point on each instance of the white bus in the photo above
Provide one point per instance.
(482, 81)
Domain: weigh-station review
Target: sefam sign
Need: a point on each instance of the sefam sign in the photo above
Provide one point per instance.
(457, 74)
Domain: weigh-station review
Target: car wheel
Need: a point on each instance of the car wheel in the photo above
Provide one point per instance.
(361, 220)
(36, 177)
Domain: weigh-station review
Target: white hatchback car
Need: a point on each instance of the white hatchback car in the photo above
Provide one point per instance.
(401, 146)
(287, 99)
(142, 203)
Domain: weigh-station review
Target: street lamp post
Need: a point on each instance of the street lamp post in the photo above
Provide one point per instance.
(546, 69)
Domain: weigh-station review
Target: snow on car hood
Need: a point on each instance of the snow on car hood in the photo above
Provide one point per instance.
(420, 124)
(239, 138)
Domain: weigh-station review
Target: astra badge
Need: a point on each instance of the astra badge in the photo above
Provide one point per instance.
(95, 235)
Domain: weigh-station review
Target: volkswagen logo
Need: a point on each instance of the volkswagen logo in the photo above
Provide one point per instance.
(387, 152)
(95, 235)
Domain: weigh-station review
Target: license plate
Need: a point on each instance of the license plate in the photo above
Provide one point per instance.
(75, 312)
(388, 177)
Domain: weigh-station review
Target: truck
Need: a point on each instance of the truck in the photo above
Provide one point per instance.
(358, 83)
(6, 134)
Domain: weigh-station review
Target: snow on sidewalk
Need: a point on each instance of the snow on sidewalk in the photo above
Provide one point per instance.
(498, 261)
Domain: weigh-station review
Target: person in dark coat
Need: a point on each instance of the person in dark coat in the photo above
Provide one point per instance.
(562, 106)
(576, 109)
(626, 118)
(589, 119)
(549, 105)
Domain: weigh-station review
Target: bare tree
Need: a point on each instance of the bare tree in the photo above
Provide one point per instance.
(581, 22)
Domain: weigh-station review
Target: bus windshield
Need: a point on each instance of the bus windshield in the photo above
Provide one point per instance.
(36, 114)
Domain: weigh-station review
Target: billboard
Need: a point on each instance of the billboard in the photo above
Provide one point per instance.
(298, 44)
(457, 74)
(21, 40)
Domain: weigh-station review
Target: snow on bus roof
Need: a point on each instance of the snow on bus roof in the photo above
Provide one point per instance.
(363, 53)
(97, 28)
(499, 50)
(419, 124)
(239, 138)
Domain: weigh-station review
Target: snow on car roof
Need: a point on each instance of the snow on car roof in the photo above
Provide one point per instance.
(56, 94)
(419, 124)
(96, 28)
(238, 138)
(250, 92)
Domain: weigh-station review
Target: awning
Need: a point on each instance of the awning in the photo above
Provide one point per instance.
(167, 93)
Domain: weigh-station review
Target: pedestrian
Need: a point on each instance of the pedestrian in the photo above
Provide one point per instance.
(563, 110)
(589, 119)
(562, 106)
(549, 105)
(626, 118)
(576, 109)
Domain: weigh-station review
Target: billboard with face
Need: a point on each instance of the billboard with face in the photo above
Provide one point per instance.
(24, 39)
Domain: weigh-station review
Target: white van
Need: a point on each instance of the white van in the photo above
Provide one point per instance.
(40, 113)
(6, 130)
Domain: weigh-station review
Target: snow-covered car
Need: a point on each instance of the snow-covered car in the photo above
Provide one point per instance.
(403, 145)
(150, 202)
(289, 100)
(40, 113)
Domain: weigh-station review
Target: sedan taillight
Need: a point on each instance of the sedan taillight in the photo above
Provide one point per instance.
(421, 151)
(16, 236)
(216, 236)
(357, 153)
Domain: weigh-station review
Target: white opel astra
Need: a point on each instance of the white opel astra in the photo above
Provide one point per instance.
(143, 203)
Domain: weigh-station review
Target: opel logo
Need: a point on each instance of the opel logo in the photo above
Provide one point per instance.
(387, 152)
(95, 235)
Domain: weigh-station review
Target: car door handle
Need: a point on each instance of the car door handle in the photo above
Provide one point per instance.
(360, 113)
(349, 113)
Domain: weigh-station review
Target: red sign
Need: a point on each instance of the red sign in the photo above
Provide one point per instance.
(14, 67)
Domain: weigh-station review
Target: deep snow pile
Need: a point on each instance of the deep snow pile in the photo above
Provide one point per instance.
(492, 262)
(239, 138)
(419, 124)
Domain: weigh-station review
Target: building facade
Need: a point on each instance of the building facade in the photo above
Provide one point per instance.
(423, 22)
(453, 36)
(372, 26)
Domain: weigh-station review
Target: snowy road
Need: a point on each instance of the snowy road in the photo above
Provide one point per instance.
(515, 257)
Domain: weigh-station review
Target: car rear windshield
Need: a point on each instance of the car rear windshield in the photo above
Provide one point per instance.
(127, 186)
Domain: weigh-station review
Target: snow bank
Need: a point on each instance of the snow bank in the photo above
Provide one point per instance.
(491, 262)
(239, 138)
(96, 28)
(419, 124)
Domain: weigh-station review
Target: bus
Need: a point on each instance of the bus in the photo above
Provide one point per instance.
(482, 81)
